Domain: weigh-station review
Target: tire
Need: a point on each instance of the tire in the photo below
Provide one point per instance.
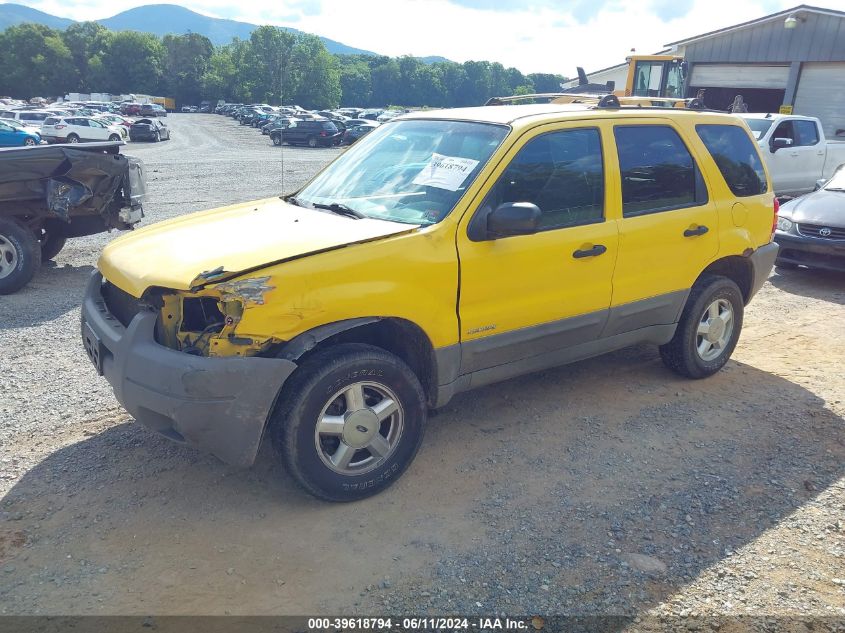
(30, 142)
(718, 301)
(20, 256)
(319, 388)
(277, 139)
(114, 137)
(51, 242)
(312, 141)
(72, 138)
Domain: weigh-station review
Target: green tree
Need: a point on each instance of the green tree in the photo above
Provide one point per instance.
(187, 61)
(453, 78)
(545, 82)
(134, 62)
(36, 62)
(386, 83)
(316, 73)
(267, 64)
(356, 84)
(86, 42)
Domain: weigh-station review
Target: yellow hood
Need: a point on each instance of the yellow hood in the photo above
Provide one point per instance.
(172, 254)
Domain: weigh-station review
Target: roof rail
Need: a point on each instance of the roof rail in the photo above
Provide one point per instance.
(548, 96)
(609, 101)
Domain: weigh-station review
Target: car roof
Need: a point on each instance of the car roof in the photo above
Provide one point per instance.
(538, 113)
(774, 116)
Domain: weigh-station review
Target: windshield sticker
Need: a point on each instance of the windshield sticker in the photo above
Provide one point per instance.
(445, 172)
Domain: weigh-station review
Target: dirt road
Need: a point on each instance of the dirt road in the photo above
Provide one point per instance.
(609, 486)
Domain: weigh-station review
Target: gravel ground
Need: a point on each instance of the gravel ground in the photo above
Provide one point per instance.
(607, 487)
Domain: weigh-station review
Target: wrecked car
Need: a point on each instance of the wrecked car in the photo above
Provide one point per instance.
(51, 193)
(444, 251)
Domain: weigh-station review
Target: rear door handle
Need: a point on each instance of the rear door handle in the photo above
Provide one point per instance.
(595, 251)
(699, 230)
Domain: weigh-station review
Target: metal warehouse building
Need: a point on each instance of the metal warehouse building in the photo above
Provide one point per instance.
(793, 58)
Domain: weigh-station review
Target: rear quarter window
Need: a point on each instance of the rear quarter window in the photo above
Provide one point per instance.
(736, 157)
(51, 121)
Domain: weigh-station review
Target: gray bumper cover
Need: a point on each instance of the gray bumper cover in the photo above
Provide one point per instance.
(217, 404)
(762, 260)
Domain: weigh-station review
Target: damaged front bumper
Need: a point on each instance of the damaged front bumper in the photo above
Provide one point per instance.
(217, 404)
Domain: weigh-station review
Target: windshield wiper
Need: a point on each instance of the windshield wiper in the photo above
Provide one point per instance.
(340, 209)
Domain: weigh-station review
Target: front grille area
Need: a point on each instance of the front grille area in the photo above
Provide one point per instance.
(817, 230)
(122, 305)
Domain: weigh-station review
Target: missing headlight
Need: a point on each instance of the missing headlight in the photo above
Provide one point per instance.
(201, 314)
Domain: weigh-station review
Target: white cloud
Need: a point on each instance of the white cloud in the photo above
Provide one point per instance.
(545, 38)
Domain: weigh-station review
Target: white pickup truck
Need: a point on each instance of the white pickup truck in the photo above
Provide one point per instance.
(795, 150)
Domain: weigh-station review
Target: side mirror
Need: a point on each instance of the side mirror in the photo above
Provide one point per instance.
(819, 184)
(780, 143)
(513, 218)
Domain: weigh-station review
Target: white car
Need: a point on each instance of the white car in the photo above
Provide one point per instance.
(76, 129)
(795, 150)
(120, 122)
(27, 117)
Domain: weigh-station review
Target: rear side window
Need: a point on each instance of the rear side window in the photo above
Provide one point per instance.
(658, 171)
(806, 132)
(736, 157)
(33, 116)
(562, 173)
(51, 121)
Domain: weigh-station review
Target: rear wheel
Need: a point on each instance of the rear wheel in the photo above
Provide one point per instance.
(114, 137)
(312, 141)
(20, 255)
(72, 138)
(277, 140)
(349, 422)
(30, 142)
(709, 329)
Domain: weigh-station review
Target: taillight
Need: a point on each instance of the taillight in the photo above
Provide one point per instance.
(323, 133)
(775, 219)
(60, 127)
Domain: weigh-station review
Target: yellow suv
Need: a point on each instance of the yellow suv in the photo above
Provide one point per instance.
(444, 251)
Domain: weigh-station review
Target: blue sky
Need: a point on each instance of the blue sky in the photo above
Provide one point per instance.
(532, 35)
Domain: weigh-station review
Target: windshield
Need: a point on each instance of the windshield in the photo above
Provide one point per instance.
(759, 126)
(408, 171)
(837, 183)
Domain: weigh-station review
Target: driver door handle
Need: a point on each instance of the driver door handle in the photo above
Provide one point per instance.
(595, 251)
(699, 230)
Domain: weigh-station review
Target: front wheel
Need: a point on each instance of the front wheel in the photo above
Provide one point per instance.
(709, 329)
(114, 137)
(349, 422)
(20, 256)
(29, 142)
(277, 140)
(312, 141)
